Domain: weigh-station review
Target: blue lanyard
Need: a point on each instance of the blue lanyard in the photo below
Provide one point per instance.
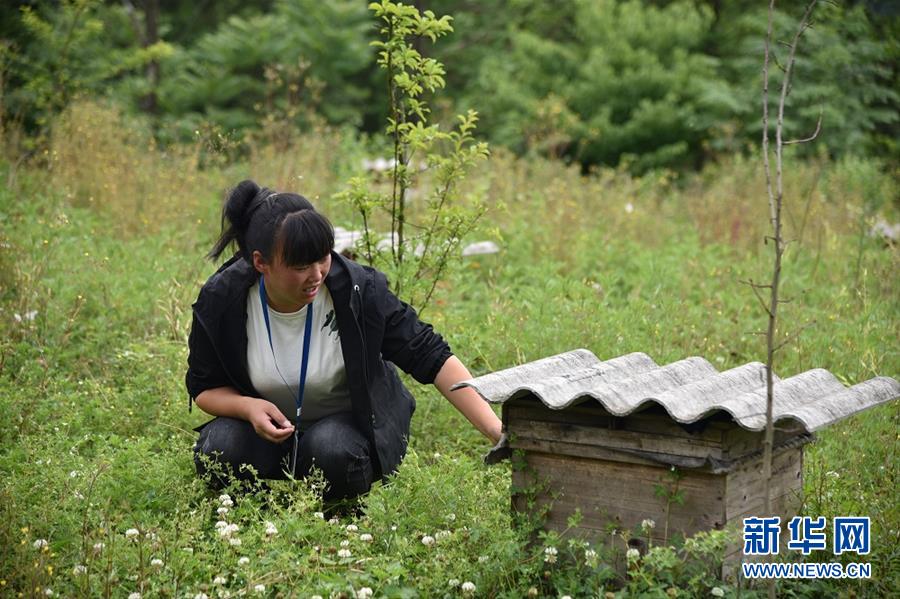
(304, 361)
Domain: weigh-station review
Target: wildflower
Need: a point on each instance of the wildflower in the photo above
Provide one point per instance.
(74, 474)
(672, 592)
(453, 582)
(79, 569)
(441, 534)
(532, 592)
(131, 533)
(352, 528)
(629, 207)
(222, 510)
(201, 596)
(316, 597)
(225, 500)
(134, 595)
(234, 542)
(271, 531)
(451, 517)
(220, 580)
(437, 456)
(98, 547)
(228, 530)
(40, 544)
(319, 515)
(364, 593)
(78, 495)
(345, 543)
(590, 555)
(394, 528)
(221, 524)
(566, 597)
(428, 540)
(244, 561)
(48, 591)
(717, 592)
(648, 525)
(344, 553)
(156, 563)
(259, 589)
(468, 587)
(632, 554)
(152, 536)
(482, 559)
(365, 537)
(550, 554)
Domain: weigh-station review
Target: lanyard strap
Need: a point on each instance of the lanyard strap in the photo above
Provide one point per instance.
(304, 361)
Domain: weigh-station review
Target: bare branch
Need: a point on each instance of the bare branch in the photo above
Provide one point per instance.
(811, 137)
(756, 287)
(794, 336)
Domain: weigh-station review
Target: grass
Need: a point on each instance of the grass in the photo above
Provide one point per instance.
(96, 436)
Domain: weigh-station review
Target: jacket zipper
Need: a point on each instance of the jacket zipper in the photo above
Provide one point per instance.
(362, 333)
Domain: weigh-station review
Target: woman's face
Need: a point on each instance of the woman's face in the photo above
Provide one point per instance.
(289, 288)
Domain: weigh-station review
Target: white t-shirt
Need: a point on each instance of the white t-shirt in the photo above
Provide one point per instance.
(326, 379)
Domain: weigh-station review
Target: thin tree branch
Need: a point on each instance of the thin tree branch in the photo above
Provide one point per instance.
(794, 335)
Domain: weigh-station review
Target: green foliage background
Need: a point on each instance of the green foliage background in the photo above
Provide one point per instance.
(600, 82)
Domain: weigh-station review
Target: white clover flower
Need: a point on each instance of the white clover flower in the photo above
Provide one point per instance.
(98, 547)
(319, 515)
(437, 456)
(224, 497)
(271, 530)
(453, 582)
(79, 569)
(316, 597)
(134, 595)
(40, 543)
(221, 524)
(364, 593)
(74, 474)
(717, 592)
(244, 561)
(220, 580)
(441, 534)
(647, 525)
(152, 536)
(77, 495)
(201, 596)
(334, 521)
(48, 591)
(345, 543)
(222, 510)
(228, 530)
(451, 517)
(352, 528)
(234, 542)
(532, 592)
(428, 540)
(259, 589)
(483, 559)
(468, 587)
(156, 562)
(629, 207)
(344, 553)
(590, 555)
(632, 554)
(394, 528)
(366, 537)
(550, 554)
(566, 597)
(131, 533)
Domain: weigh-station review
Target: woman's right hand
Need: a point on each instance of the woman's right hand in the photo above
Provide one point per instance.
(267, 420)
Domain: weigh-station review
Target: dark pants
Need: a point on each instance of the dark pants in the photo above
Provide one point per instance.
(333, 445)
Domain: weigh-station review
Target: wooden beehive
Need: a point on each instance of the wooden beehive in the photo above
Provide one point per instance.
(619, 471)
(606, 439)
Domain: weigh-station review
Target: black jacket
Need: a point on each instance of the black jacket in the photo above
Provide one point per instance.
(377, 331)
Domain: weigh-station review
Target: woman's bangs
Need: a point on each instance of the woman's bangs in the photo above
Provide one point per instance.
(305, 237)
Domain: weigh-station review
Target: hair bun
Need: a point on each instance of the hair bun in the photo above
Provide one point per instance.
(237, 206)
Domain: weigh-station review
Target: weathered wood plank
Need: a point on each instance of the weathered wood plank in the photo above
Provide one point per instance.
(585, 435)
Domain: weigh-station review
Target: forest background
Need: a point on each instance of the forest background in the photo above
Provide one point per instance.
(624, 188)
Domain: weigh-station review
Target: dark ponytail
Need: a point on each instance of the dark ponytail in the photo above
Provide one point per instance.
(236, 217)
(256, 218)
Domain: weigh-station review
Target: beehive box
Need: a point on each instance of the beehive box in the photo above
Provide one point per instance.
(619, 440)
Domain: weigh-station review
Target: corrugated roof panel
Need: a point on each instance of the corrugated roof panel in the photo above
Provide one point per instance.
(688, 390)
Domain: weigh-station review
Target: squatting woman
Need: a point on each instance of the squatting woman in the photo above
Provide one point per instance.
(293, 349)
